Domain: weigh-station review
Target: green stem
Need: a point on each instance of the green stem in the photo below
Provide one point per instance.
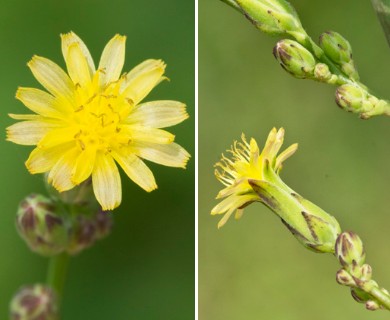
(381, 296)
(58, 266)
(232, 3)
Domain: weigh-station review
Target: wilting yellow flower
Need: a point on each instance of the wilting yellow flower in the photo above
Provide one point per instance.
(246, 164)
(91, 118)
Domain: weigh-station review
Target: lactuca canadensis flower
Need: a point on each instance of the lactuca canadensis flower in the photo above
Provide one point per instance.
(92, 119)
(253, 176)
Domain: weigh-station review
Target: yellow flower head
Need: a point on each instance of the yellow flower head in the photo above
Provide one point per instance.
(248, 163)
(90, 119)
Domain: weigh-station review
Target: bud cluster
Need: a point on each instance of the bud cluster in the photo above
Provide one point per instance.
(34, 302)
(355, 273)
(355, 99)
(52, 226)
(301, 63)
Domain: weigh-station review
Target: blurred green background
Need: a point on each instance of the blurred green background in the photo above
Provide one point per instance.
(145, 268)
(254, 268)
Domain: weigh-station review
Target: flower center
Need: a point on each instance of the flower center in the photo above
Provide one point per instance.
(99, 119)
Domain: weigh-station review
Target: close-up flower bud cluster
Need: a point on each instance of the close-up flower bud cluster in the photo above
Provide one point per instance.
(49, 230)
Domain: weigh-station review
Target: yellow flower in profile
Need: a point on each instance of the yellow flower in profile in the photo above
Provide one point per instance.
(92, 119)
(248, 164)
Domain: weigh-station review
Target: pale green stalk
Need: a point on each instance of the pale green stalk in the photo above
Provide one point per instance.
(56, 275)
(381, 296)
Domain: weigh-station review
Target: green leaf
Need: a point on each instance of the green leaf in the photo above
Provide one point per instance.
(382, 8)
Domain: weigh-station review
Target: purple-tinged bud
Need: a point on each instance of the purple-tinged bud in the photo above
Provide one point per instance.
(372, 305)
(295, 59)
(351, 98)
(366, 271)
(37, 302)
(39, 224)
(87, 229)
(344, 278)
(103, 224)
(350, 252)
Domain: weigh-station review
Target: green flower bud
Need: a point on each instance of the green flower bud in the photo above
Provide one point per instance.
(295, 58)
(338, 49)
(37, 302)
(272, 16)
(87, 228)
(366, 271)
(39, 224)
(344, 278)
(323, 74)
(351, 98)
(372, 305)
(104, 221)
(356, 99)
(350, 252)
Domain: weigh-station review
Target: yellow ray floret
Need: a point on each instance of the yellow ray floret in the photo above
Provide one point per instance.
(247, 163)
(90, 120)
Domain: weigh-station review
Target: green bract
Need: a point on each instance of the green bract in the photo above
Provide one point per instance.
(312, 226)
